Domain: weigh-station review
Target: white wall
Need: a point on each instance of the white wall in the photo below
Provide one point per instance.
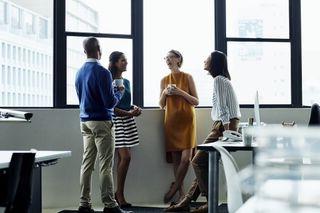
(149, 175)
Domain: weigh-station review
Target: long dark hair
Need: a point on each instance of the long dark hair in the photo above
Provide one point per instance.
(219, 65)
(315, 115)
(113, 59)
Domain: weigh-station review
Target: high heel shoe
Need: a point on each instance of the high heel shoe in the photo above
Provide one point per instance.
(182, 206)
(122, 205)
(170, 194)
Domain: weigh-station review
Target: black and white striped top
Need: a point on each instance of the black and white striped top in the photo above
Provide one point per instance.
(225, 104)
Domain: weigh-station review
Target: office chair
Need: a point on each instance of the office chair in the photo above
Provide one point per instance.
(231, 169)
(314, 115)
(16, 183)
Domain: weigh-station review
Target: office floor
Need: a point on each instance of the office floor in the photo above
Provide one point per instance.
(135, 209)
(157, 208)
(140, 209)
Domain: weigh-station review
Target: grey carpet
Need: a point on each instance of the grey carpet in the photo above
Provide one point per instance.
(137, 209)
(134, 209)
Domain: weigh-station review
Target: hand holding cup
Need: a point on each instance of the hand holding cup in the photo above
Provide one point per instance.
(171, 88)
(135, 111)
(118, 83)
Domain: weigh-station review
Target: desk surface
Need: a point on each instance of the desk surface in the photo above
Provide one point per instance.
(255, 204)
(230, 146)
(41, 156)
(13, 120)
(285, 196)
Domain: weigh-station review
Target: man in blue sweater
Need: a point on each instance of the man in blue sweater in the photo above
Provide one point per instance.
(97, 98)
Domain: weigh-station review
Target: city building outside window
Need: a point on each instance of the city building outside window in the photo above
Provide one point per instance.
(15, 17)
(23, 46)
(3, 12)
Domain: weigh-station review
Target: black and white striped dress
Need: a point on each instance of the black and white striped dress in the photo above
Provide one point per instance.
(126, 133)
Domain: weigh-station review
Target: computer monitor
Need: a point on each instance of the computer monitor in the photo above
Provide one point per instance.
(256, 109)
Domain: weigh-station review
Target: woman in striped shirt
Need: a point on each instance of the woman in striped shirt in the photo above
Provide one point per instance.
(225, 106)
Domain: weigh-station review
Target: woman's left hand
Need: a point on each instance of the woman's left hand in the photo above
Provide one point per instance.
(136, 111)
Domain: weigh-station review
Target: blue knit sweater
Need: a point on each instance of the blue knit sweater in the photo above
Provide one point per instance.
(96, 94)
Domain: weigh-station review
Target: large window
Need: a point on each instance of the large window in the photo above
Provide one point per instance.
(3, 12)
(257, 18)
(76, 56)
(259, 51)
(99, 16)
(29, 23)
(26, 83)
(86, 18)
(16, 17)
(310, 52)
(187, 26)
(261, 66)
(262, 39)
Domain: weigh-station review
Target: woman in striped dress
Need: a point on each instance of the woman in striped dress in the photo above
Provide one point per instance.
(126, 134)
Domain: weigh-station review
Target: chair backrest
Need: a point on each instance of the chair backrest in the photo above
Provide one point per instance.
(230, 167)
(314, 115)
(10, 180)
(18, 182)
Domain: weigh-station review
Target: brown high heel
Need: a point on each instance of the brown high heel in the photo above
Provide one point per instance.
(122, 205)
(169, 195)
(182, 206)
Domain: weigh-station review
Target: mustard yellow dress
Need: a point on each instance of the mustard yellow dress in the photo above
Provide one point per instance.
(180, 118)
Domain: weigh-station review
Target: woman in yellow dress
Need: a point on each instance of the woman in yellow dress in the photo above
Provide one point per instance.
(178, 98)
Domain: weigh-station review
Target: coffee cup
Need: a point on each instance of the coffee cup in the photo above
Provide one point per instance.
(170, 88)
(246, 138)
(118, 82)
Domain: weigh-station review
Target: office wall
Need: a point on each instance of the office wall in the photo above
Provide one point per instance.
(149, 176)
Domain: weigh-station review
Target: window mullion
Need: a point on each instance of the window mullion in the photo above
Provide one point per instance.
(296, 64)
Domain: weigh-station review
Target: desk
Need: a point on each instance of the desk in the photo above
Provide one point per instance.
(42, 158)
(213, 188)
(13, 120)
(254, 205)
(285, 196)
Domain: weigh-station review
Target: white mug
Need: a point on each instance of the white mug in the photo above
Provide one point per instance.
(246, 138)
(118, 82)
(171, 87)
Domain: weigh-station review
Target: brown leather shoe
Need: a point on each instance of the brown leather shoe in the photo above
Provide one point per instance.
(183, 205)
(201, 209)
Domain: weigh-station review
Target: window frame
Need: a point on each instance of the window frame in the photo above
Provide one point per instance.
(294, 40)
(60, 64)
(60, 51)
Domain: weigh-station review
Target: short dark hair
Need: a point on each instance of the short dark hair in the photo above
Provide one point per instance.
(113, 59)
(178, 55)
(91, 45)
(219, 65)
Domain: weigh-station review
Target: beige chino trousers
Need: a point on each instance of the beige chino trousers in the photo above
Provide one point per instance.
(98, 139)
